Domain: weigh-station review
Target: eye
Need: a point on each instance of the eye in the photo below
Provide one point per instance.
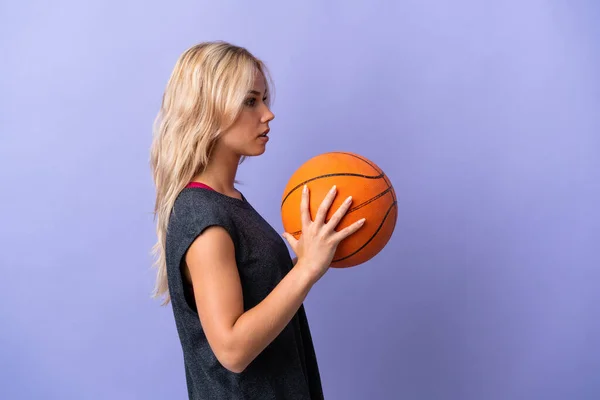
(251, 102)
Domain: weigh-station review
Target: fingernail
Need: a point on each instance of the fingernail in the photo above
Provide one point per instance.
(333, 189)
(305, 189)
(349, 199)
(362, 221)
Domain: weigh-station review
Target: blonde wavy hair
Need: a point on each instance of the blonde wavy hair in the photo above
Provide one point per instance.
(203, 98)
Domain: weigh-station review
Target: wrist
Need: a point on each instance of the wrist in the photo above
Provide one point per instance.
(305, 274)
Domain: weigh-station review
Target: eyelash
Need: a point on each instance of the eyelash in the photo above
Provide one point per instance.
(251, 102)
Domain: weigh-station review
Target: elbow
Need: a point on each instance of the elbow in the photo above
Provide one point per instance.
(232, 359)
(232, 363)
(235, 368)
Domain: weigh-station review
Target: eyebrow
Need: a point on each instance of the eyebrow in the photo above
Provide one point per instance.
(254, 92)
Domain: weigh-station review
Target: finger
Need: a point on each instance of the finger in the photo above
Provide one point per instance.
(325, 205)
(339, 213)
(304, 209)
(347, 231)
(291, 240)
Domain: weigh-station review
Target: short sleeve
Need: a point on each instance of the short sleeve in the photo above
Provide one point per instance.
(193, 212)
(207, 214)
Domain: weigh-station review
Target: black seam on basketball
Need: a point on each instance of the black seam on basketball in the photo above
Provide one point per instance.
(389, 183)
(377, 169)
(361, 205)
(392, 193)
(361, 159)
(329, 176)
(371, 238)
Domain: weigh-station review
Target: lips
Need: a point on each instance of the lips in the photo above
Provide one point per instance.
(265, 133)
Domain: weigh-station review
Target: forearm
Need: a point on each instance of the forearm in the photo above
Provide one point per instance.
(258, 327)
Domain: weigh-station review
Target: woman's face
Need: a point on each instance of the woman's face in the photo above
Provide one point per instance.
(248, 135)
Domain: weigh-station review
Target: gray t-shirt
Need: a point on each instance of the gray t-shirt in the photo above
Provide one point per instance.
(287, 369)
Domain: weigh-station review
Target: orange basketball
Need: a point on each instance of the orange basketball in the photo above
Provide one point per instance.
(373, 198)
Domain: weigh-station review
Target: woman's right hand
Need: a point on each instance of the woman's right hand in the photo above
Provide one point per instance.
(319, 240)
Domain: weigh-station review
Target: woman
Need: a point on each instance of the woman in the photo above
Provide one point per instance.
(236, 293)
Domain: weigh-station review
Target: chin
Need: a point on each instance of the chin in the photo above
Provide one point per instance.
(257, 151)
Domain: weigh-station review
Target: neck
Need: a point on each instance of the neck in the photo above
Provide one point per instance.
(220, 172)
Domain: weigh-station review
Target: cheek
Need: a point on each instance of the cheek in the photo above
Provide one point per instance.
(238, 137)
(248, 124)
(245, 128)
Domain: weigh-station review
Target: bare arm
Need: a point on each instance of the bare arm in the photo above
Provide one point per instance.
(237, 337)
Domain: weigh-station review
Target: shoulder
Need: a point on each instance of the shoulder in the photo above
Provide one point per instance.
(192, 203)
(196, 209)
(193, 199)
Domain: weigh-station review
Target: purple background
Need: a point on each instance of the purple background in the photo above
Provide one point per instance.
(485, 115)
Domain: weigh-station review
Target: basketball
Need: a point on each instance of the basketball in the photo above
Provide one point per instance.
(373, 198)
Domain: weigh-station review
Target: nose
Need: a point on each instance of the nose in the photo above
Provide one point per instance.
(267, 116)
